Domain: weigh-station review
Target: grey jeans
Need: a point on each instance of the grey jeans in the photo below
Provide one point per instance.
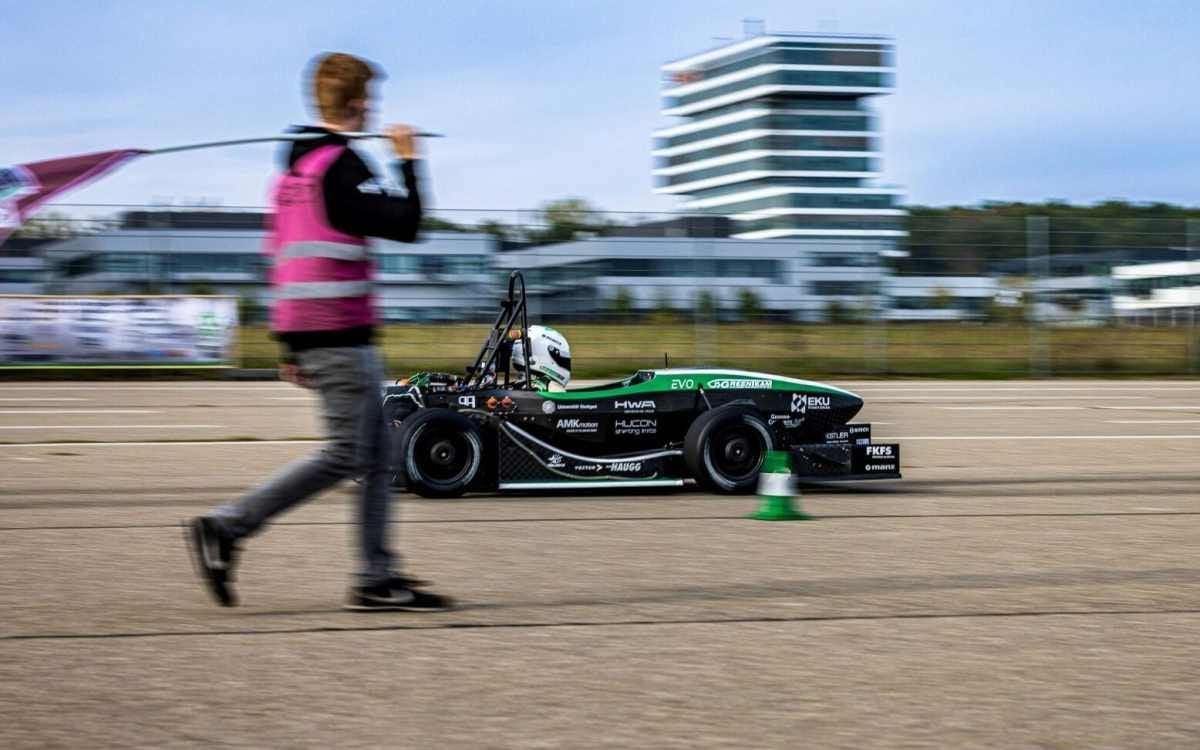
(348, 380)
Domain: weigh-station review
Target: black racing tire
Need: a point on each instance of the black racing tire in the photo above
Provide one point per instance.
(439, 453)
(724, 448)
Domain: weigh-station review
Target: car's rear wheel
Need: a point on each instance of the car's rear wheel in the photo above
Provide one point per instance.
(439, 452)
(725, 447)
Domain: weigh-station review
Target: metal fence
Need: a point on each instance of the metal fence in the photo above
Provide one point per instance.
(967, 296)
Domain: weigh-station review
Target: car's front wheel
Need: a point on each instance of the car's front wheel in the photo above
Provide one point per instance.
(725, 447)
(439, 452)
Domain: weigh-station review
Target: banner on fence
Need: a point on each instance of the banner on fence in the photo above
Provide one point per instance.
(132, 331)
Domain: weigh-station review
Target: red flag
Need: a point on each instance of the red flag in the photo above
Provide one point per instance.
(24, 187)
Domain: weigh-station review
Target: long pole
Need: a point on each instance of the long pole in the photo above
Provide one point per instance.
(276, 138)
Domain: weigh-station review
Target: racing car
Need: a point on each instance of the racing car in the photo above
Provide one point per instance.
(511, 424)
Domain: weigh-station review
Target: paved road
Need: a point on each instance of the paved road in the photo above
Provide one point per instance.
(1031, 583)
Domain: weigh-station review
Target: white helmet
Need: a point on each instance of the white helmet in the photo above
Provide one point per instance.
(551, 358)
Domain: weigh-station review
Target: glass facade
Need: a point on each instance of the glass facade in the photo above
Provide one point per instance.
(817, 78)
(817, 221)
(839, 105)
(774, 143)
(787, 55)
(780, 121)
(432, 265)
(808, 200)
(776, 164)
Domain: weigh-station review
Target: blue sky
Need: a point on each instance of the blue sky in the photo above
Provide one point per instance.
(995, 101)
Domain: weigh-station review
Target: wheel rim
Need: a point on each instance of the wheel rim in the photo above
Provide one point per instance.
(736, 452)
(444, 456)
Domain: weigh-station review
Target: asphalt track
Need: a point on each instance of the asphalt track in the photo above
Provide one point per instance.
(1032, 582)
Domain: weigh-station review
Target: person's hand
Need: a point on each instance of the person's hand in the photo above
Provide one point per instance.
(290, 372)
(404, 142)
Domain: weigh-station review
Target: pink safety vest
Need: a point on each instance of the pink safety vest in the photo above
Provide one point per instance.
(321, 278)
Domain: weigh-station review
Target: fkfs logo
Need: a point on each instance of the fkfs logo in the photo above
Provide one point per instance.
(879, 451)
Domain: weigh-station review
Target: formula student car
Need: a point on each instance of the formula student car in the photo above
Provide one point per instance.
(510, 424)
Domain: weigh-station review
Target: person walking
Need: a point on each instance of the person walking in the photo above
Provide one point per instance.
(325, 206)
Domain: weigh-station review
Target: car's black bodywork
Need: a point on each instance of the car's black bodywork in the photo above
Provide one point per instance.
(658, 427)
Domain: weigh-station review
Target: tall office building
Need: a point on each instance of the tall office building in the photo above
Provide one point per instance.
(777, 134)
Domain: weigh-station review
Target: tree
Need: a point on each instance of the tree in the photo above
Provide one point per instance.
(749, 305)
(566, 217)
(434, 224)
(497, 229)
(664, 308)
(49, 225)
(620, 304)
(706, 305)
(941, 298)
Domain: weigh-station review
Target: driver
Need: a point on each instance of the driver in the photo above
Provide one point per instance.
(549, 366)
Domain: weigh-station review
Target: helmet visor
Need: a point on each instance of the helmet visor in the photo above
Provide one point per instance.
(560, 359)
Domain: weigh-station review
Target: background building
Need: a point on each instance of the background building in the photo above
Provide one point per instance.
(777, 134)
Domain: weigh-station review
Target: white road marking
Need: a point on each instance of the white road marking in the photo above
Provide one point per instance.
(1019, 389)
(160, 444)
(34, 398)
(24, 458)
(106, 427)
(1009, 408)
(1153, 421)
(1193, 407)
(916, 399)
(890, 438)
(80, 411)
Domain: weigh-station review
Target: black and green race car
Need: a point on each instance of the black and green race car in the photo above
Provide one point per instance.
(657, 428)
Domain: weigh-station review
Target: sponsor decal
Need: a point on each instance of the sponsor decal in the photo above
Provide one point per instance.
(556, 461)
(682, 384)
(548, 407)
(587, 467)
(802, 402)
(467, 401)
(880, 467)
(787, 420)
(739, 384)
(635, 427)
(579, 406)
(625, 467)
(577, 425)
(879, 451)
(632, 405)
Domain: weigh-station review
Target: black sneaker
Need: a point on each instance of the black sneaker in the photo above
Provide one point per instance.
(213, 555)
(390, 597)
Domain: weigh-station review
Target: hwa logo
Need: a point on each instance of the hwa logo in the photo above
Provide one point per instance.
(629, 405)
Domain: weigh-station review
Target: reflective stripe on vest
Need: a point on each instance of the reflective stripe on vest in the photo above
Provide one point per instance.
(318, 249)
(322, 289)
(321, 277)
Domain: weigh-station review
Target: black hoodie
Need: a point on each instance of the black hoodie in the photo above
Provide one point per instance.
(356, 204)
